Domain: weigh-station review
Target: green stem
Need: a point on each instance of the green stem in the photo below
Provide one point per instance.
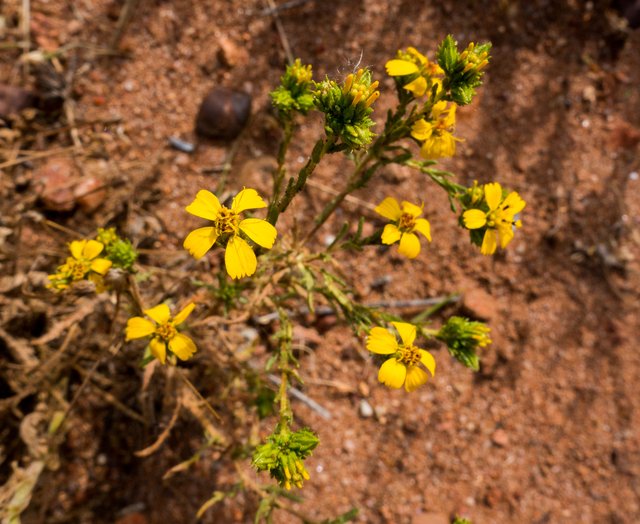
(393, 131)
(294, 186)
(353, 183)
(278, 177)
(286, 336)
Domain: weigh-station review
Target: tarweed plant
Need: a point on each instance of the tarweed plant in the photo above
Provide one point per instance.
(270, 271)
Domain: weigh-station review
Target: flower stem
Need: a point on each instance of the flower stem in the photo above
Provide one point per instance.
(355, 181)
(294, 186)
(284, 362)
(278, 177)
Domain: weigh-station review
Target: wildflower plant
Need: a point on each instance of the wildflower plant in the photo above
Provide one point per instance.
(269, 273)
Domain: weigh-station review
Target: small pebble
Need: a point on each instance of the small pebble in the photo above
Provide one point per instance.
(365, 409)
(329, 239)
(181, 145)
(500, 438)
(633, 175)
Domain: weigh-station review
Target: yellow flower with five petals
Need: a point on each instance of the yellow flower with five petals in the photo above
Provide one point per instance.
(405, 223)
(500, 219)
(163, 332)
(407, 364)
(436, 134)
(239, 258)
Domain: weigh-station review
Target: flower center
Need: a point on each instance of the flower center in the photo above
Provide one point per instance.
(407, 222)
(409, 355)
(78, 268)
(227, 221)
(166, 331)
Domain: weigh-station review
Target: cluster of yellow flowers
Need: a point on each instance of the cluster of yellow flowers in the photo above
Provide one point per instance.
(422, 77)
(488, 212)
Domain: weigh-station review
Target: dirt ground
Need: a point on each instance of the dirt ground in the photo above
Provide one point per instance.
(548, 431)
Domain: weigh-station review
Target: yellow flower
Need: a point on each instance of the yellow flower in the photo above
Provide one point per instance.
(410, 63)
(404, 367)
(405, 223)
(83, 262)
(499, 220)
(163, 332)
(239, 258)
(437, 136)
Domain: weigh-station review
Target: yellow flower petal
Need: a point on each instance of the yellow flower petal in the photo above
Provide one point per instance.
(182, 346)
(381, 341)
(418, 86)
(422, 226)
(407, 332)
(489, 242)
(414, 52)
(474, 218)
(260, 231)
(389, 208)
(416, 377)
(138, 327)
(182, 316)
(159, 314)
(409, 245)
(450, 119)
(442, 146)
(390, 234)
(158, 349)
(421, 129)
(200, 240)
(206, 205)
(493, 195)
(398, 67)
(247, 199)
(101, 265)
(92, 249)
(239, 258)
(98, 281)
(428, 361)
(77, 247)
(438, 108)
(392, 373)
(411, 209)
(513, 203)
(505, 231)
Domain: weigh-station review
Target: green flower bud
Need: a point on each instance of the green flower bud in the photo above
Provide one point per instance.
(463, 337)
(120, 251)
(463, 71)
(347, 107)
(294, 92)
(282, 456)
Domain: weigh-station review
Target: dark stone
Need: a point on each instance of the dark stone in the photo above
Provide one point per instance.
(223, 113)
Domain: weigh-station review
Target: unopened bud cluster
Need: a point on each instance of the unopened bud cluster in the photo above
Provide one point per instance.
(283, 454)
(463, 337)
(347, 107)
